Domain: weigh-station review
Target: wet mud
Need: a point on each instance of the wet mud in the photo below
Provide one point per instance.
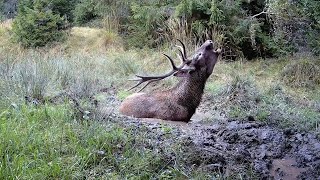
(235, 146)
(273, 153)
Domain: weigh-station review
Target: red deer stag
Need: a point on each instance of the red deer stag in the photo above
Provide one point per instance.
(180, 102)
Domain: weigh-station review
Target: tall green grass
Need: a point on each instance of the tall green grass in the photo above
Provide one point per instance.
(47, 142)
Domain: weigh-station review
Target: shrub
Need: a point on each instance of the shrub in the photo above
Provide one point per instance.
(146, 25)
(36, 25)
(302, 73)
(63, 7)
(296, 24)
(85, 11)
(232, 25)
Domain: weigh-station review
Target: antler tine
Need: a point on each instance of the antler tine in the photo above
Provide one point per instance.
(183, 49)
(174, 67)
(150, 79)
(147, 84)
(183, 59)
(140, 82)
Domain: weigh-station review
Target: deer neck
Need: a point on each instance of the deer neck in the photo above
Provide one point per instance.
(189, 90)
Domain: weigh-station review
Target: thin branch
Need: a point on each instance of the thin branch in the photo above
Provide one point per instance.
(263, 12)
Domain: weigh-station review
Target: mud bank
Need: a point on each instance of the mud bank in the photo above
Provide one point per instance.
(235, 146)
(271, 152)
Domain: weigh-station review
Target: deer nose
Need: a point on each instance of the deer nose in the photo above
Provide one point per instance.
(210, 45)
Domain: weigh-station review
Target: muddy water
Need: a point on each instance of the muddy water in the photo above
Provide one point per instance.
(196, 119)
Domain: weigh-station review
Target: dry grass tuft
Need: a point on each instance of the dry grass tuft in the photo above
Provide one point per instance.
(302, 73)
(92, 39)
(6, 24)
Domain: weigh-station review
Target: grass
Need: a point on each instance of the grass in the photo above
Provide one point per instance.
(46, 142)
(256, 89)
(91, 39)
(43, 137)
(302, 73)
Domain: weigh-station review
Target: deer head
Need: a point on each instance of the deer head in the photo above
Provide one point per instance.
(180, 102)
(205, 57)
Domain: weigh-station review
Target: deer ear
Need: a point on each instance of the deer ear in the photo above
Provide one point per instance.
(218, 51)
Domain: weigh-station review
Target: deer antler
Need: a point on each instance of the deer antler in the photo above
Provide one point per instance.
(182, 50)
(150, 79)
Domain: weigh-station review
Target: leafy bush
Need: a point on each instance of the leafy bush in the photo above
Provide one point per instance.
(36, 25)
(245, 31)
(296, 24)
(145, 25)
(233, 25)
(63, 7)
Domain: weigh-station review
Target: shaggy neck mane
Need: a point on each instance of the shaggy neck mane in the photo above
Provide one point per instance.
(189, 90)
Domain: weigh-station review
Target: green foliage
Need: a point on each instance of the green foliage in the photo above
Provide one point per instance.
(205, 19)
(247, 29)
(146, 25)
(312, 10)
(36, 25)
(193, 9)
(303, 19)
(85, 11)
(63, 7)
(1, 10)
